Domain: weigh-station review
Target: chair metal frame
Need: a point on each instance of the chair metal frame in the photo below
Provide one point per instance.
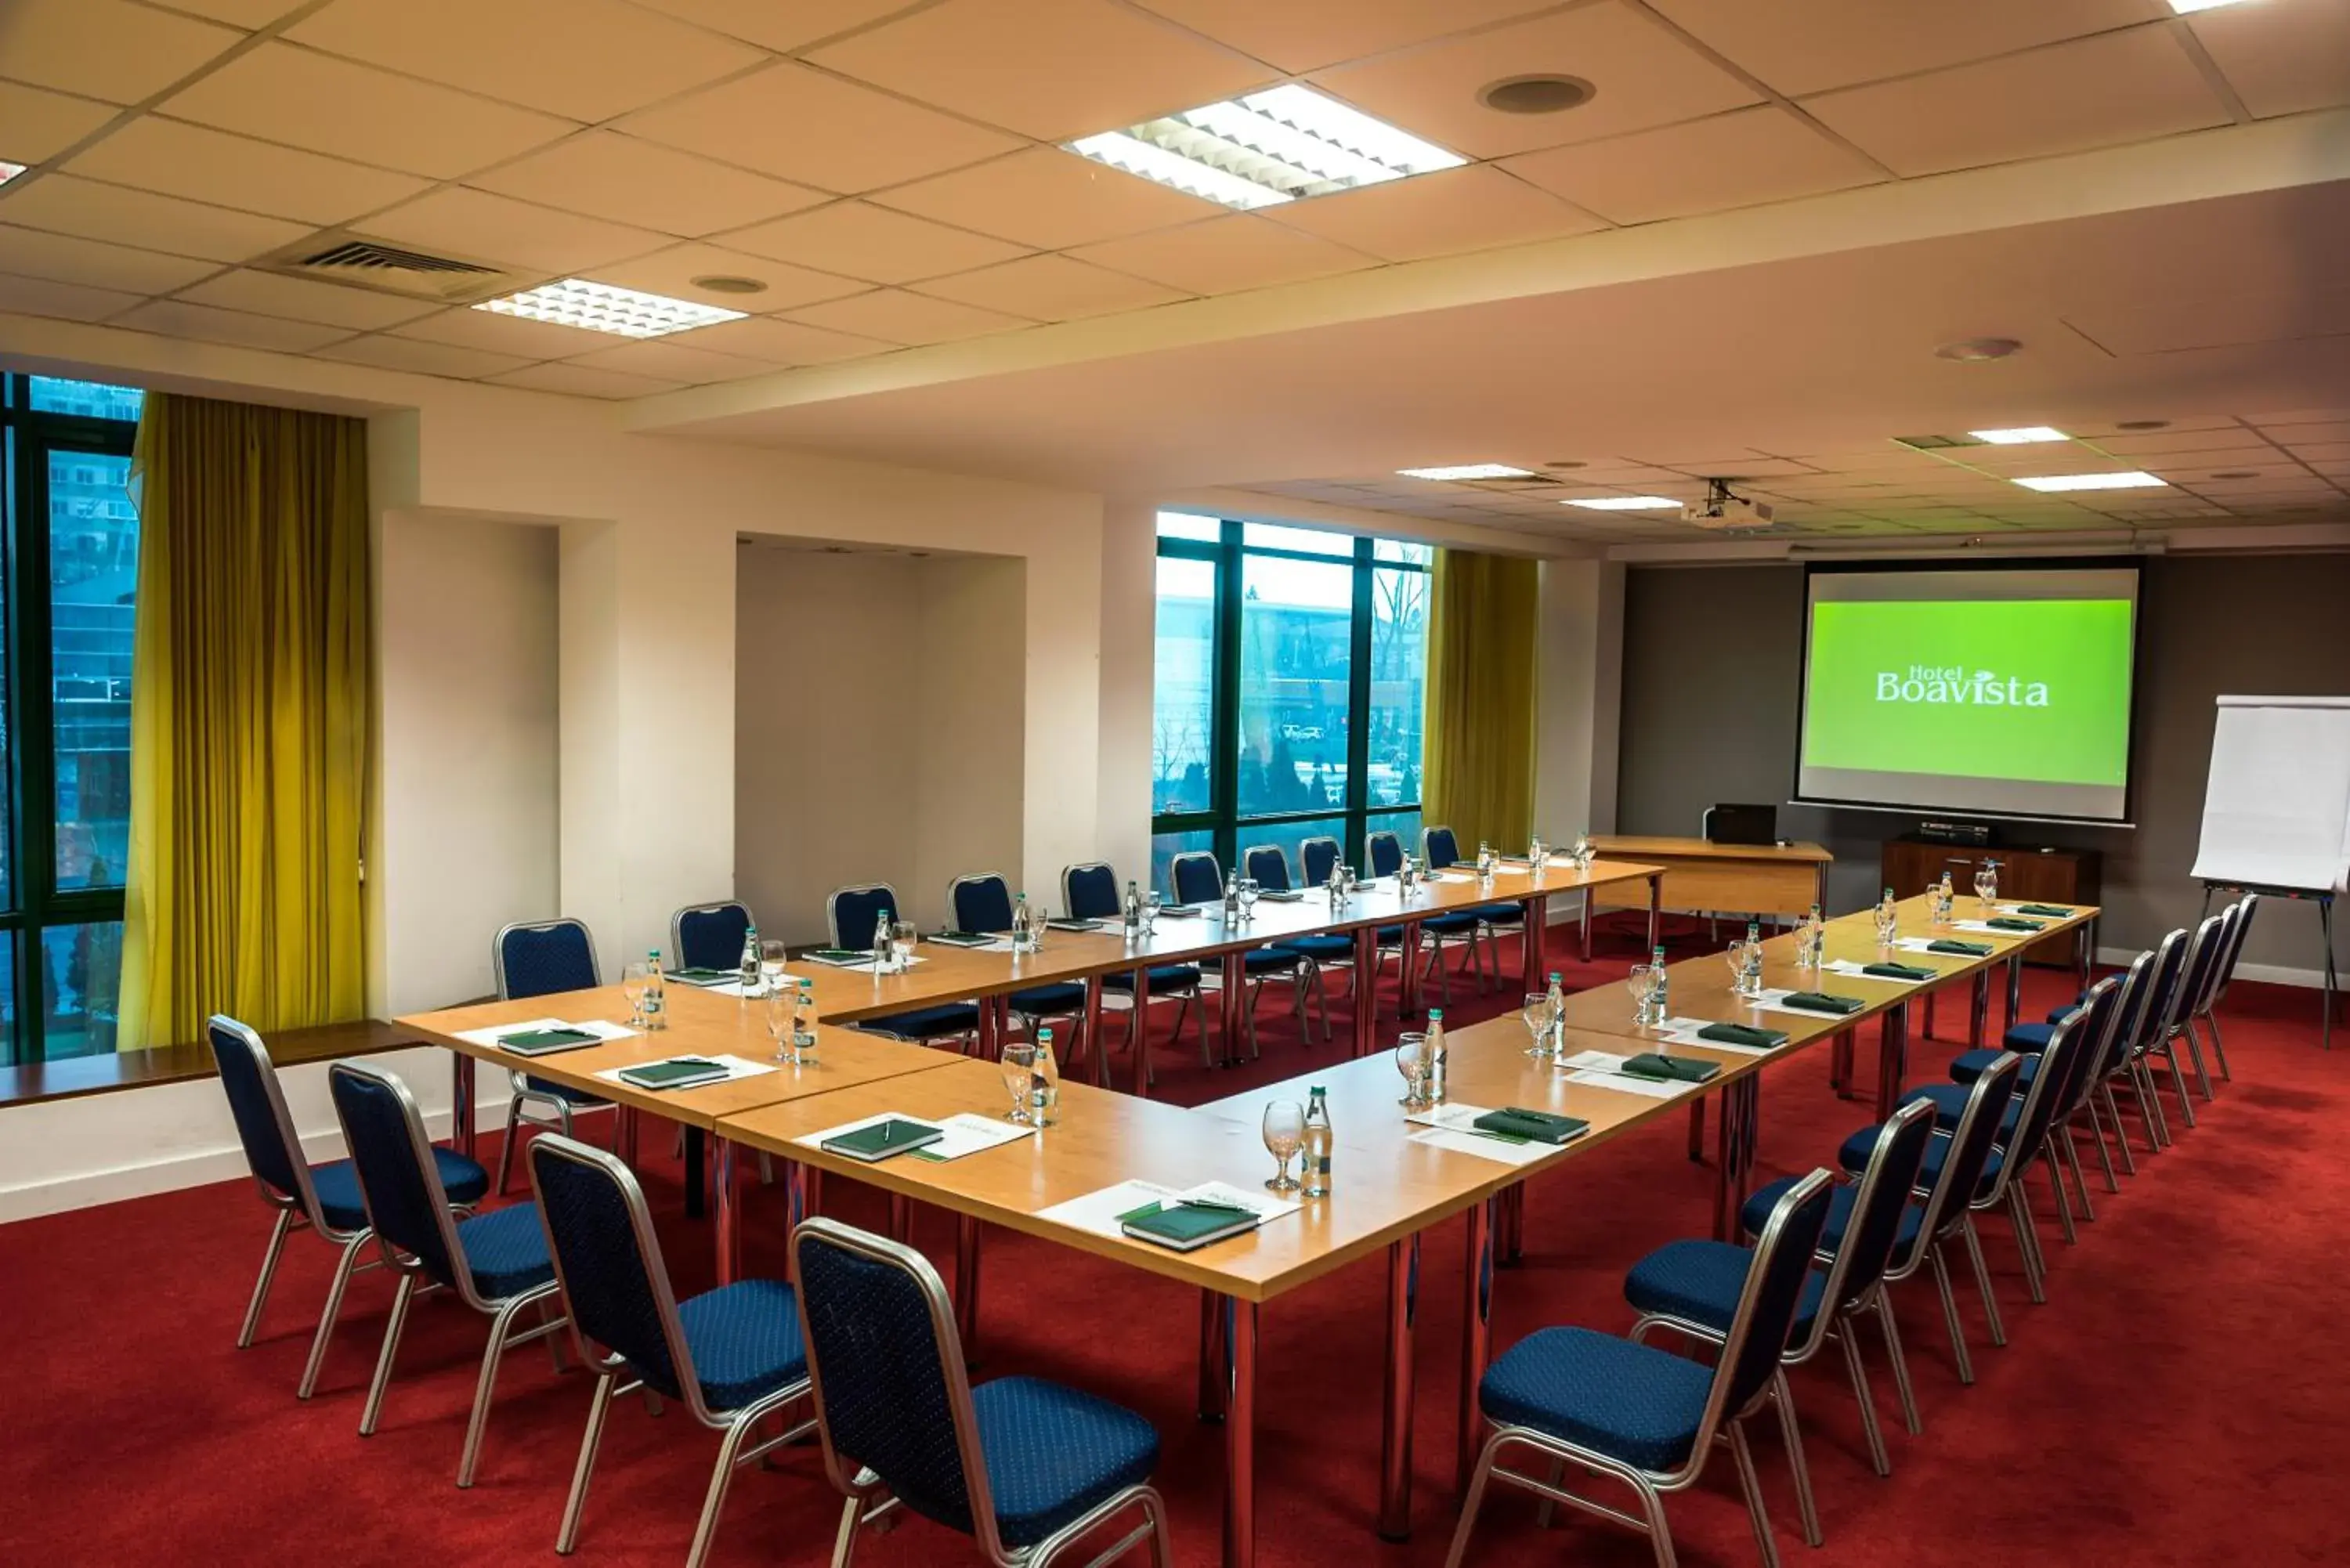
(1075, 1018)
(522, 1095)
(1314, 969)
(2101, 1008)
(610, 1367)
(677, 926)
(1717, 1424)
(967, 1039)
(1391, 947)
(2150, 1035)
(500, 1311)
(1252, 985)
(866, 1494)
(2069, 1057)
(1489, 927)
(2196, 984)
(298, 1209)
(2207, 1007)
(1123, 1001)
(1949, 1214)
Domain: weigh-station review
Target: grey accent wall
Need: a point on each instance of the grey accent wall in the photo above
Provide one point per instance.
(1712, 676)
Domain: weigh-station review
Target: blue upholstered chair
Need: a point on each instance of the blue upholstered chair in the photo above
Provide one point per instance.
(710, 936)
(1692, 1288)
(541, 958)
(731, 1356)
(1956, 1171)
(1317, 955)
(1316, 857)
(982, 901)
(2206, 952)
(1645, 1416)
(324, 1198)
(2208, 1009)
(1383, 855)
(1026, 1467)
(1439, 850)
(496, 1264)
(854, 914)
(1090, 892)
(1199, 879)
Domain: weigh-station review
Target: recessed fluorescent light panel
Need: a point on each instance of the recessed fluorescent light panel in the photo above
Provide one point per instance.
(1265, 148)
(601, 307)
(1624, 502)
(1468, 471)
(2023, 435)
(2189, 8)
(2056, 482)
(9, 171)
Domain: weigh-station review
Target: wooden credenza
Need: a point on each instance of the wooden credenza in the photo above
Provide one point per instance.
(1910, 865)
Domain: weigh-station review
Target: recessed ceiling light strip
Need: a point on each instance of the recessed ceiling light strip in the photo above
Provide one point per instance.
(1467, 471)
(2053, 483)
(603, 307)
(1624, 502)
(1267, 147)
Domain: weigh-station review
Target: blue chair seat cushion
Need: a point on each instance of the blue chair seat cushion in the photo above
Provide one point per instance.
(1972, 1065)
(1460, 923)
(1268, 960)
(1853, 1156)
(1756, 1213)
(1055, 1001)
(927, 1023)
(338, 1187)
(1501, 914)
(2031, 1038)
(1637, 1404)
(1389, 935)
(1701, 1282)
(1166, 979)
(744, 1339)
(506, 1250)
(1950, 1103)
(564, 1092)
(1053, 1453)
(1320, 949)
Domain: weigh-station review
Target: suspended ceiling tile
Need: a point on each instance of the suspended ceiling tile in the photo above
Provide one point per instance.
(183, 160)
(2316, 452)
(501, 229)
(1047, 68)
(797, 123)
(782, 28)
(1741, 159)
(65, 258)
(2301, 417)
(1808, 45)
(525, 340)
(305, 99)
(1048, 200)
(856, 239)
(673, 362)
(1051, 288)
(2268, 315)
(584, 60)
(72, 302)
(627, 179)
(421, 358)
(1643, 75)
(583, 381)
(672, 270)
(897, 315)
(300, 299)
(36, 126)
(2281, 59)
(777, 342)
(1304, 34)
(2314, 429)
(239, 12)
(2181, 441)
(66, 205)
(2118, 88)
(177, 319)
(104, 48)
(1226, 255)
(1468, 208)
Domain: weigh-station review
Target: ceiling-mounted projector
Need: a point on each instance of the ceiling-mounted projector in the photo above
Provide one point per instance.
(1724, 512)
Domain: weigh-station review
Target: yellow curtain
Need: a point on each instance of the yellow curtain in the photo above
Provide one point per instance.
(1482, 611)
(251, 691)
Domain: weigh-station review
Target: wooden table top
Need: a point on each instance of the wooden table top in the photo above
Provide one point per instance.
(1103, 1137)
(701, 1025)
(1650, 847)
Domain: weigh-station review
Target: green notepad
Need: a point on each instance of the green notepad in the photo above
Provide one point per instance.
(1291, 897)
(677, 1073)
(1899, 970)
(841, 955)
(1824, 1002)
(2052, 911)
(544, 1042)
(698, 976)
(1674, 1069)
(1742, 1034)
(1964, 949)
(2010, 923)
(883, 1140)
(1067, 925)
(1189, 1224)
(1531, 1126)
(1179, 911)
(961, 938)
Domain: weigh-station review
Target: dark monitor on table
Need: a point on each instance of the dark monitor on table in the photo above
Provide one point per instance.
(1727, 824)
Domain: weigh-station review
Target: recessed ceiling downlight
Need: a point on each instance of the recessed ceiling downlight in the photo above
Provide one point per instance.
(2143, 425)
(1543, 94)
(727, 283)
(1974, 350)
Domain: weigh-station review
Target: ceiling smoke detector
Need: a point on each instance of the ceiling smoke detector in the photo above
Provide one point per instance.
(1541, 94)
(727, 283)
(1975, 351)
(1566, 463)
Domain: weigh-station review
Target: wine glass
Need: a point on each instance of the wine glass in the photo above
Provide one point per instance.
(1285, 1131)
(1249, 891)
(1019, 1072)
(1986, 888)
(771, 966)
(635, 976)
(780, 1010)
(1150, 902)
(1534, 854)
(1411, 1061)
(1535, 1012)
(1642, 983)
(1889, 921)
(902, 938)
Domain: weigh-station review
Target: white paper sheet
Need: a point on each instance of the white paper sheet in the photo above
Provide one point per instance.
(736, 1067)
(2276, 805)
(1985, 928)
(1686, 1032)
(596, 1026)
(1486, 1145)
(1851, 970)
(1624, 1085)
(1924, 945)
(1099, 1211)
(1774, 1000)
(862, 961)
(966, 1133)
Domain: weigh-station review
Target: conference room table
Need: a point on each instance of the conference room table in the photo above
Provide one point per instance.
(1787, 879)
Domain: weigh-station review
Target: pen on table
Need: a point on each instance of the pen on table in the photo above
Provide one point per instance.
(888, 1133)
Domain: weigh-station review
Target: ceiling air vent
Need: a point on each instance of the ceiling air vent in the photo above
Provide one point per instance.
(1518, 482)
(1935, 442)
(362, 263)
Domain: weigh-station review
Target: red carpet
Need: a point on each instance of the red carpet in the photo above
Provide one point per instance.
(2179, 1400)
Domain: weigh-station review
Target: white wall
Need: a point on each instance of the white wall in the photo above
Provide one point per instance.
(972, 725)
(1579, 665)
(1129, 565)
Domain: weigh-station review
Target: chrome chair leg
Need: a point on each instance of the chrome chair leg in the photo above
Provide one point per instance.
(2178, 1082)
(1939, 1258)
(715, 1499)
(2054, 1162)
(2113, 1113)
(1790, 1432)
(506, 1144)
(844, 1539)
(485, 1384)
(382, 1379)
(1982, 1278)
(1900, 1359)
(2195, 1054)
(567, 1536)
(1751, 1485)
(2149, 1107)
(2071, 1147)
(2027, 1239)
(268, 1274)
(344, 1267)
(2219, 1047)
(1848, 1336)
(1470, 1501)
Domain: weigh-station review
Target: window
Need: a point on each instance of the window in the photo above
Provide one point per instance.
(71, 545)
(1291, 667)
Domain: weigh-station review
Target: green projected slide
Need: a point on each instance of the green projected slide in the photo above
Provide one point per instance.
(2007, 689)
